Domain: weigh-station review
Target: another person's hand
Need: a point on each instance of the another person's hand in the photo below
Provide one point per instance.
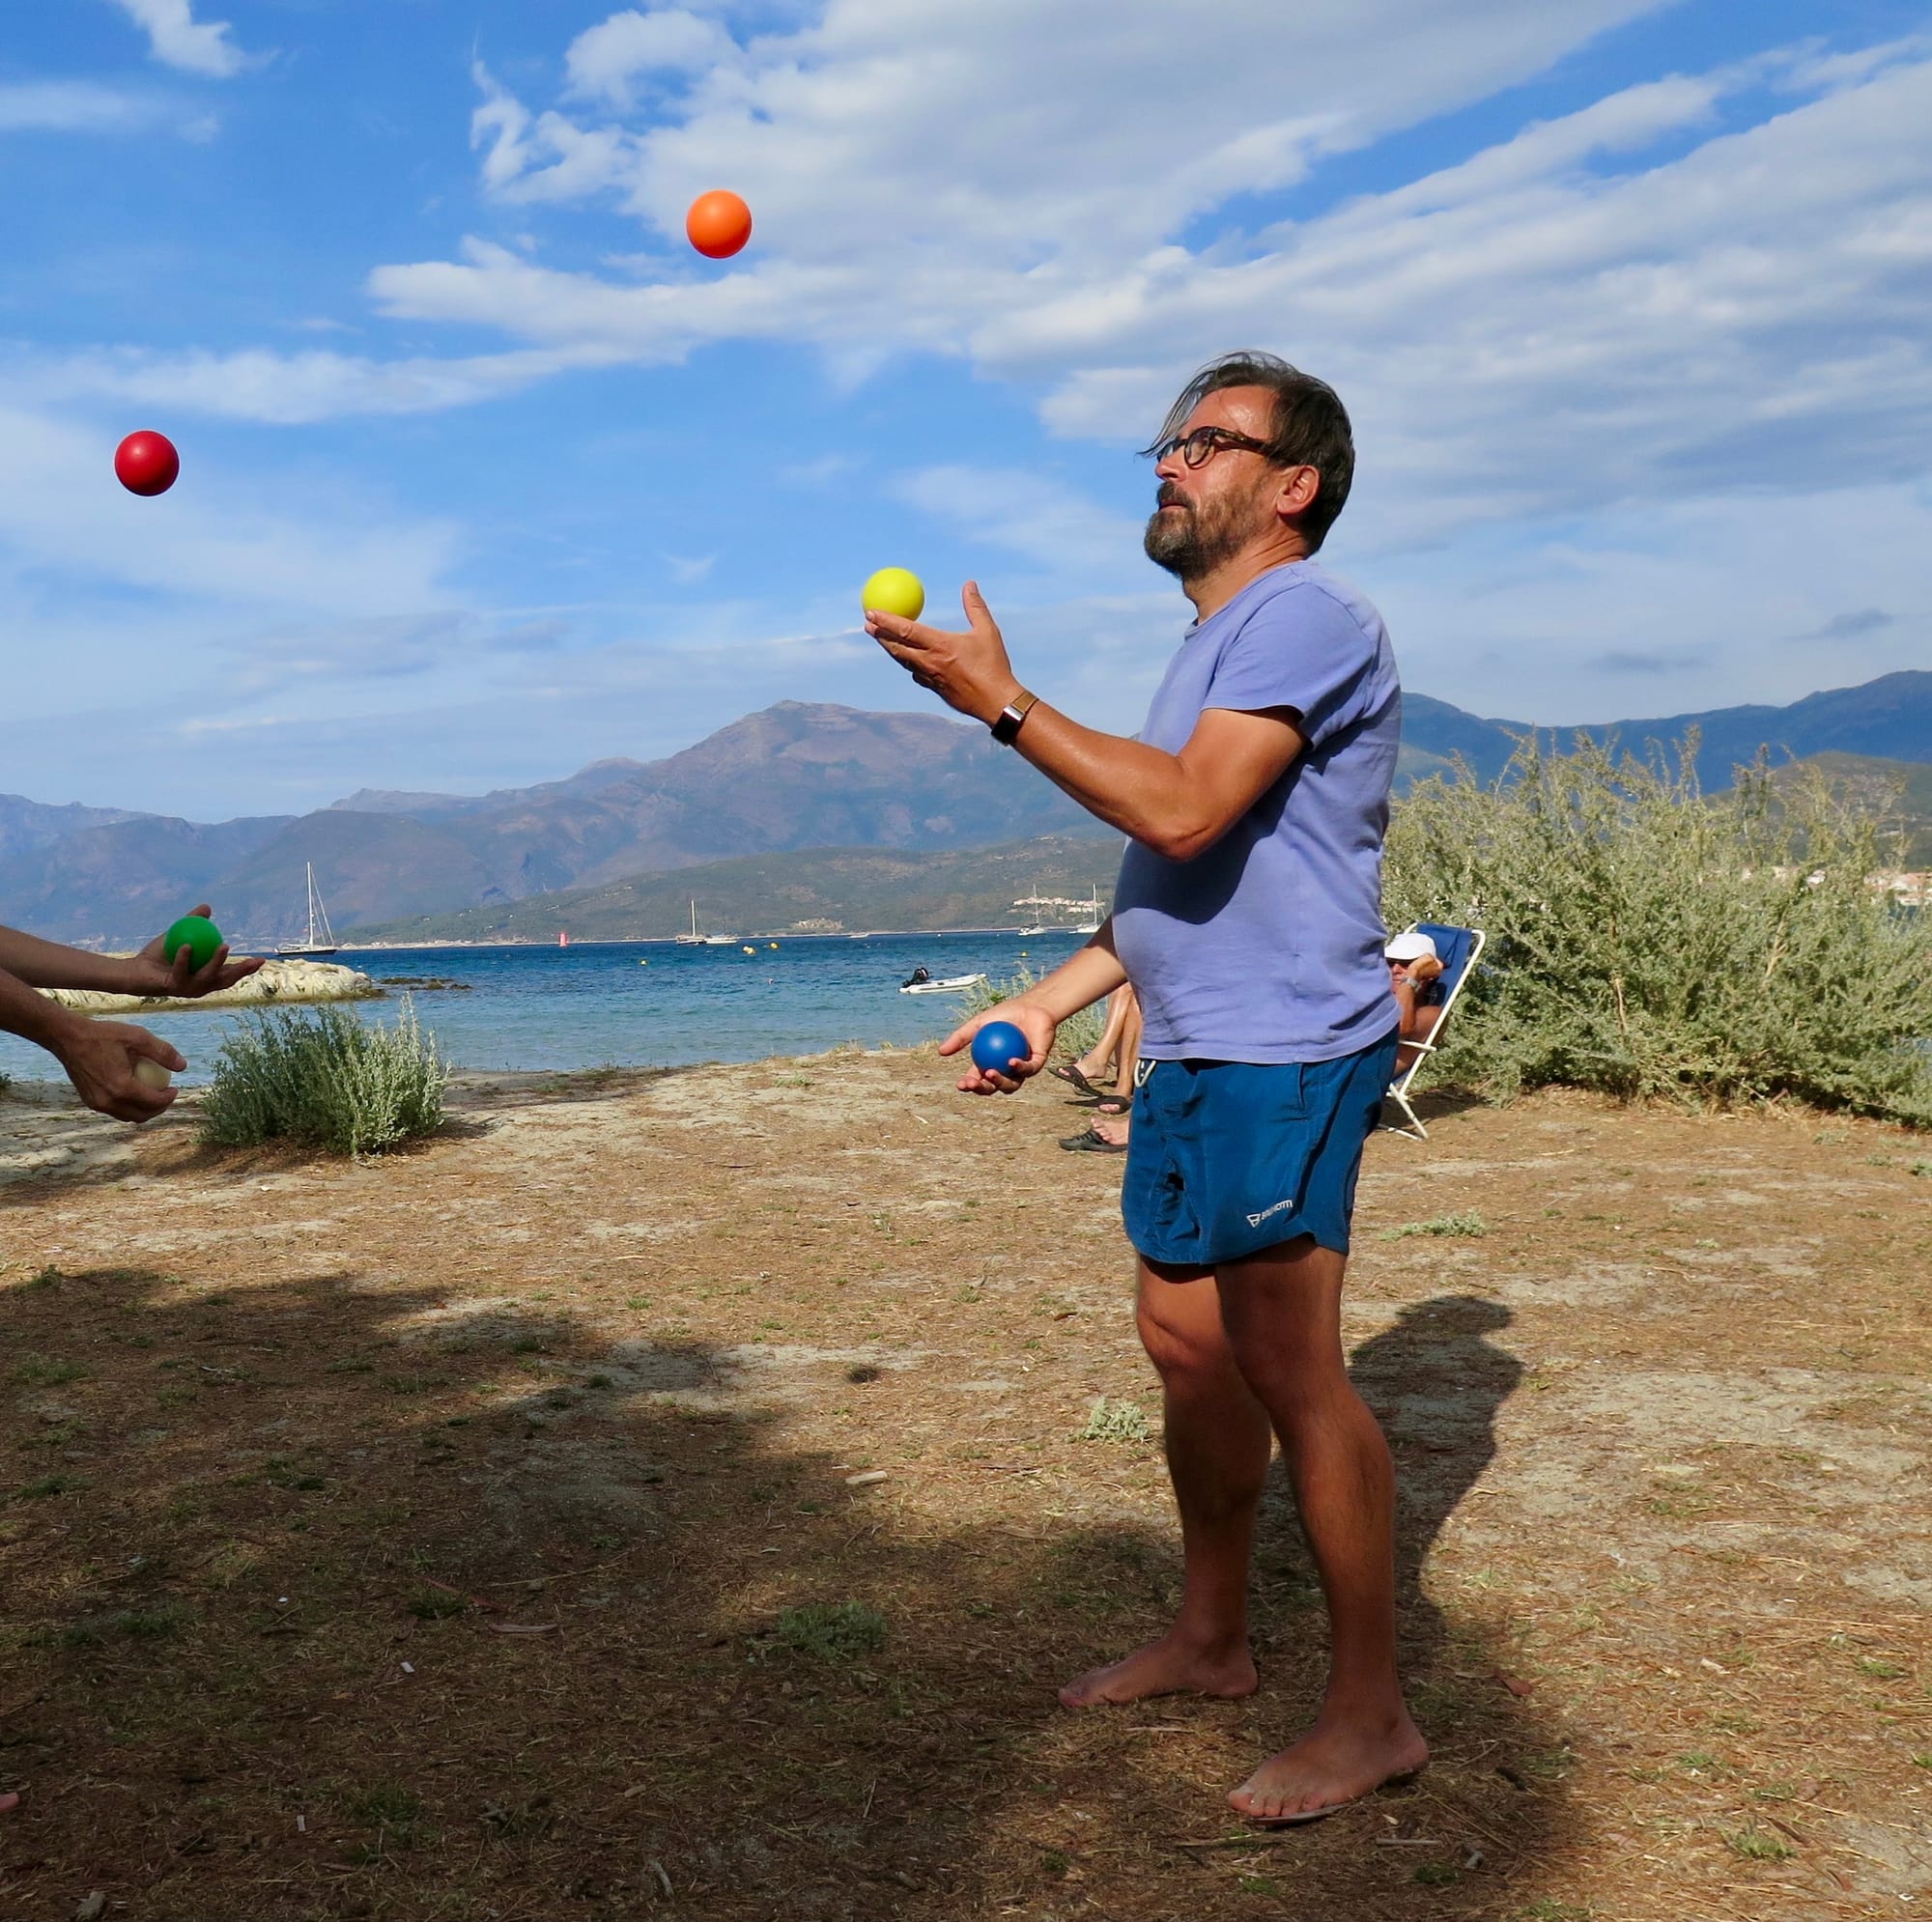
(100, 1057)
(152, 972)
(1428, 968)
(969, 671)
(1035, 1023)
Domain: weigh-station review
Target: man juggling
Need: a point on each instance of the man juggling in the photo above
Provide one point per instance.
(1247, 919)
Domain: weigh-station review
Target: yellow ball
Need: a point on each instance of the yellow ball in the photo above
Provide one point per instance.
(893, 590)
(152, 1074)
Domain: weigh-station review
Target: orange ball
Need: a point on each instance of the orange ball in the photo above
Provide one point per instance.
(719, 224)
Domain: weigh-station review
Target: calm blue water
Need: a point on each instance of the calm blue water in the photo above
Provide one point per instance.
(591, 1002)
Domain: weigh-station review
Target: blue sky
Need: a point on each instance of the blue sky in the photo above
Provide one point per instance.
(486, 474)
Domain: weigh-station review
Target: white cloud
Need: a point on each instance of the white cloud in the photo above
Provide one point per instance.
(72, 107)
(1025, 513)
(64, 517)
(178, 40)
(605, 62)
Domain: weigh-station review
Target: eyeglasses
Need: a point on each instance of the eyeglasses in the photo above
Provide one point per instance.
(1201, 446)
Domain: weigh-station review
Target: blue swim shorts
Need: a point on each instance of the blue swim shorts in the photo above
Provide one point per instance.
(1227, 1158)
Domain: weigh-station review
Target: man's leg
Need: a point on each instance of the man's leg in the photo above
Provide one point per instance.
(1218, 1443)
(1283, 1314)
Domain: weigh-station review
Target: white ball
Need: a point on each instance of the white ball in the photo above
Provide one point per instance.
(152, 1074)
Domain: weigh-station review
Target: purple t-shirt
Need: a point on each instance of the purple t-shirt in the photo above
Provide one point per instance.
(1268, 947)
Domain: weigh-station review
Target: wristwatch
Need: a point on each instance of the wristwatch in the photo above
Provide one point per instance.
(1006, 724)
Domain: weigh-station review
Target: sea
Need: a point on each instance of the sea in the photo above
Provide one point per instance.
(646, 1004)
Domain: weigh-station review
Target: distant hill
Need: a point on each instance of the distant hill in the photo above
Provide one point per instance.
(811, 890)
(793, 776)
(1889, 717)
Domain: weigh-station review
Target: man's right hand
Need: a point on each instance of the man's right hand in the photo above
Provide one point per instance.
(1032, 1019)
(100, 1057)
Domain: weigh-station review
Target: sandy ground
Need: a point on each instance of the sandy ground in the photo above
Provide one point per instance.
(498, 1530)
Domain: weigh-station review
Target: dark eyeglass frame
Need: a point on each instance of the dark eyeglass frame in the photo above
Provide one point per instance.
(1201, 446)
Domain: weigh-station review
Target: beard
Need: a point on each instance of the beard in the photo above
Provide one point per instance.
(1191, 541)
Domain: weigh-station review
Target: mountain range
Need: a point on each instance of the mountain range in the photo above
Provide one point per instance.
(791, 778)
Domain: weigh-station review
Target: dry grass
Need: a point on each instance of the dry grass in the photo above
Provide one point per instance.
(475, 1534)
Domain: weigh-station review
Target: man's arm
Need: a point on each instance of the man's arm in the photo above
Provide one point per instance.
(1080, 980)
(1177, 804)
(98, 1056)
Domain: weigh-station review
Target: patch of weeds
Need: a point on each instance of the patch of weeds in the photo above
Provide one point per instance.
(1548, 1908)
(1116, 1422)
(1756, 1845)
(43, 1487)
(1438, 1874)
(1470, 1225)
(600, 1381)
(393, 1812)
(155, 1622)
(1700, 1761)
(527, 1345)
(1921, 1169)
(352, 1365)
(48, 1277)
(832, 1631)
(406, 1384)
(1776, 1792)
(1879, 1666)
(1261, 1884)
(43, 1371)
(1830, 1136)
(436, 1604)
(282, 1472)
(1922, 1761)
(1055, 1862)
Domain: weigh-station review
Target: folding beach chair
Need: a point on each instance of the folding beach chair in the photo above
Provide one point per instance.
(1458, 948)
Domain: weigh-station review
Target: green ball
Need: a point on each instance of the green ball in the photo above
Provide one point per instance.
(198, 935)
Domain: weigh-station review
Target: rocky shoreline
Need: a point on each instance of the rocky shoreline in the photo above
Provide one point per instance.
(276, 982)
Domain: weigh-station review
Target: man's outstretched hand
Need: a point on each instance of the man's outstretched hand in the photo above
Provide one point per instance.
(969, 671)
(100, 1057)
(1035, 1023)
(152, 972)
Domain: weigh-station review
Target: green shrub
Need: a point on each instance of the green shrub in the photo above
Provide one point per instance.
(1647, 941)
(323, 1078)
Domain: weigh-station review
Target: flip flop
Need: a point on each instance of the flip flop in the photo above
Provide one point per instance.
(1091, 1143)
(1114, 1104)
(1071, 1072)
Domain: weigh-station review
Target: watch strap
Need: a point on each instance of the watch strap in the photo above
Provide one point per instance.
(1006, 724)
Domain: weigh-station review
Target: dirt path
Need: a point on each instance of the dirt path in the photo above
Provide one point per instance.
(497, 1531)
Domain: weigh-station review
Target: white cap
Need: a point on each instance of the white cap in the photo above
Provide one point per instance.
(1410, 946)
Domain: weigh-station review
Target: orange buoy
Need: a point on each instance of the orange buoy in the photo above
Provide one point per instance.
(719, 224)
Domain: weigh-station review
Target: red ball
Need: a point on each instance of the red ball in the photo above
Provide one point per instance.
(719, 224)
(146, 463)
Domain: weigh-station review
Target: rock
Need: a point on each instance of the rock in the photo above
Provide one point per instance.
(276, 982)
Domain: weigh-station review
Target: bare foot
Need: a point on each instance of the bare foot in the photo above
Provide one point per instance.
(1166, 1667)
(1337, 1762)
(1110, 1130)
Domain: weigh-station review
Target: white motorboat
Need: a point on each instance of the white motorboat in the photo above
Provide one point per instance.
(951, 984)
(318, 917)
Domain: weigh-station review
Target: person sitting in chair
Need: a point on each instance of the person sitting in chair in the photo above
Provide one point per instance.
(1415, 977)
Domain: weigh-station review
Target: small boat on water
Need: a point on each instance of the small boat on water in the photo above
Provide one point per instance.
(318, 916)
(920, 982)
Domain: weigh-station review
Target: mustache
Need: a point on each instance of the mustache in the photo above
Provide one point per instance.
(1170, 495)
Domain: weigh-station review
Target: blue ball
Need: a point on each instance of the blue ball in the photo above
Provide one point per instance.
(998, 1046)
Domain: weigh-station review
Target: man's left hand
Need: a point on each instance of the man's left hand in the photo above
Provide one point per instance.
(152, 972)
(969, 671)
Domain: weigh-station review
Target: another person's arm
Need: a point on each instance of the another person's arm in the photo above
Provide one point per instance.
(50, 964)
(1177, 804)
(98, 1056)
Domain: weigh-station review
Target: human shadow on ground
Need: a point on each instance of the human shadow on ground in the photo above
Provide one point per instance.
(325, 1597)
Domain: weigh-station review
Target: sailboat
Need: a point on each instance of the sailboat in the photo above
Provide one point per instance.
(318, 917)
(694, 939)
(1092, 924)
